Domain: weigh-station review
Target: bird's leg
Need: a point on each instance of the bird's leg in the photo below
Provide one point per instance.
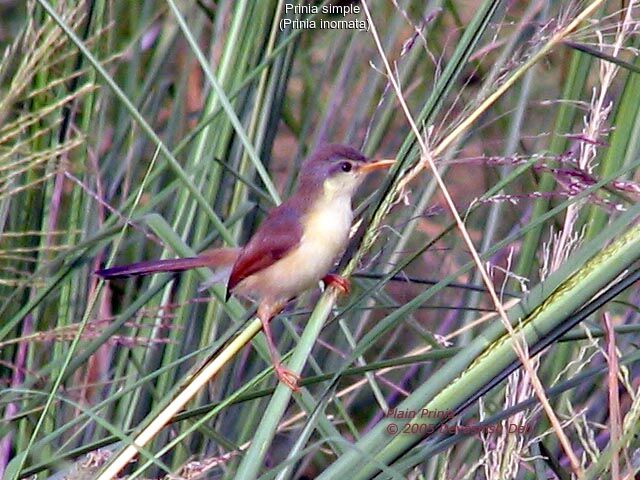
(338, 281)
(266, 312)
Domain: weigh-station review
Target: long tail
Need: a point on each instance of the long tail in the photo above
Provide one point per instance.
(214, 258)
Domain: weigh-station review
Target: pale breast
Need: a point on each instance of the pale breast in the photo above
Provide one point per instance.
(326, 233)
(327, 228)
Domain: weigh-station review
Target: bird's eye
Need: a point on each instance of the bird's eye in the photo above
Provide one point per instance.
(346, 167)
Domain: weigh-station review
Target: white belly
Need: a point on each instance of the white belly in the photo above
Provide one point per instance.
(326, 233)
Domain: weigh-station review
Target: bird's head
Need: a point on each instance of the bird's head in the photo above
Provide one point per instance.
(338, 170)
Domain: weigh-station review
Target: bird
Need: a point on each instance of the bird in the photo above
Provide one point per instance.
(293, 249)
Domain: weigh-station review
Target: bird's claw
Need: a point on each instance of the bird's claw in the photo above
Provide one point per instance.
(339, 282)
(288, 377)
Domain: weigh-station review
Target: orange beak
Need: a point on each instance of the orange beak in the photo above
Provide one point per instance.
(378, 165)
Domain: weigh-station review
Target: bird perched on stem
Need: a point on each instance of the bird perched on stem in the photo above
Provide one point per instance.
(294, 248)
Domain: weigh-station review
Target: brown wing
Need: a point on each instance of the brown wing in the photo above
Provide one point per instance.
(279, 234)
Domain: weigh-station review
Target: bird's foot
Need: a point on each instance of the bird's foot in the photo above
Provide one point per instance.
(338, 281)
(288, 377)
